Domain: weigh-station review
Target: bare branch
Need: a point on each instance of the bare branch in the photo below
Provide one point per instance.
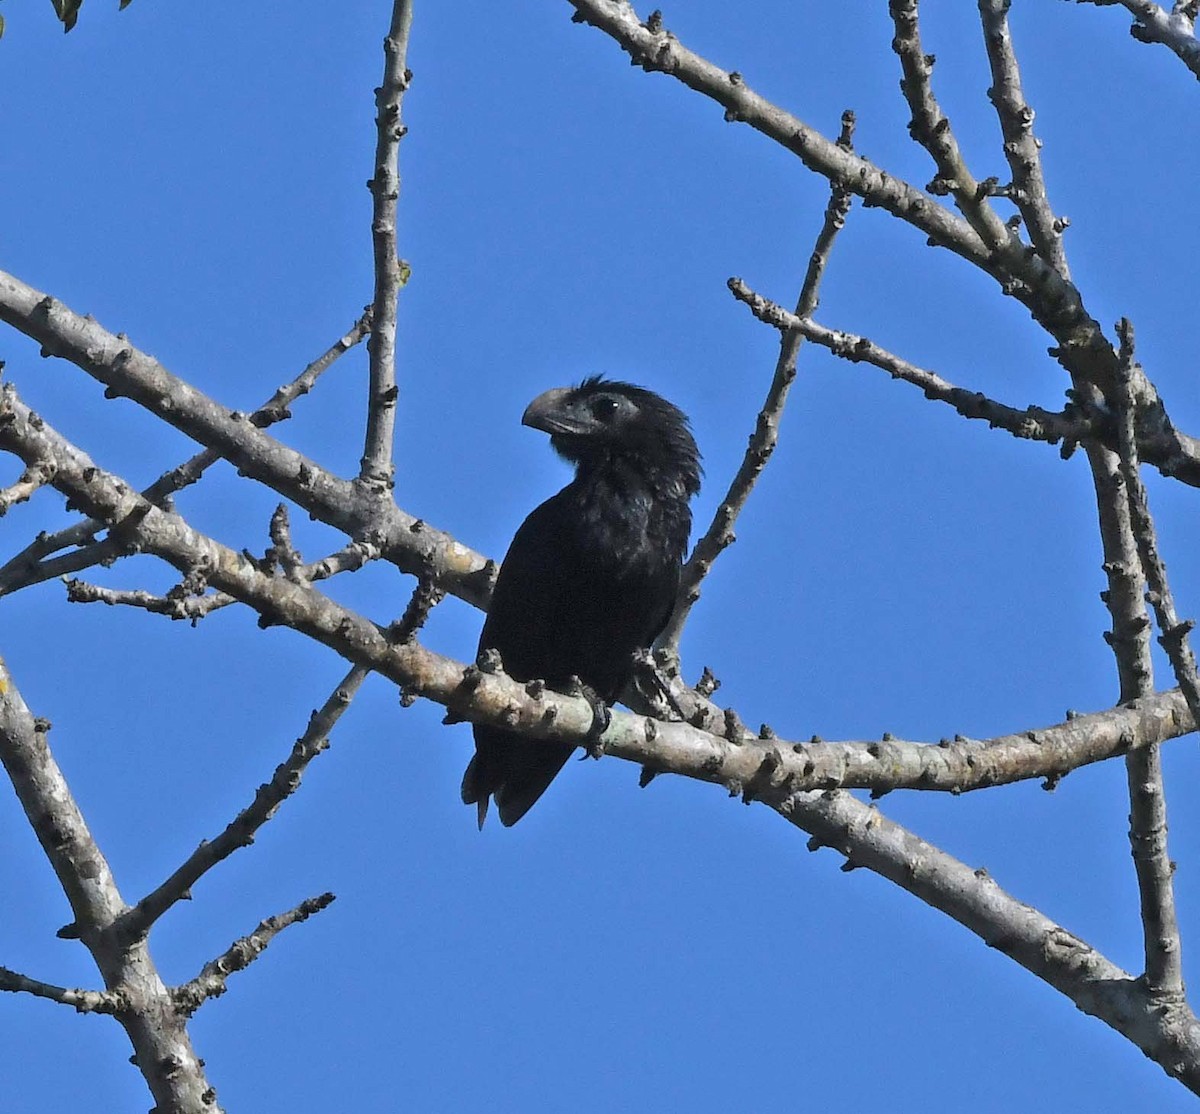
(240, 832)
(1022, 150)
(27, 567)
(162, 1048)
(1033, 422)
(930, 127)
(1152, 23)
(349, 558)
(709, 752)
(426, 596)
(179, 603)
(35, 476)
(1167, 1032)
(1130, 642)
(1155, 872)
(1173, 631)
(1165, 1029)
(1055, 303)
(377, 466)
(211, 982)
(190, 599)
(719, 535)
(410, 543)
(283, 549)
(1148, 809)
(83, 1001)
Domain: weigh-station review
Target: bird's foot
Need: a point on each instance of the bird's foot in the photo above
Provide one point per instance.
(653, 681)
(601, 717)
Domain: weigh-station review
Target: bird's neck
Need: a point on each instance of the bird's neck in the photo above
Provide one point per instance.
(647, 508)
(631, 476)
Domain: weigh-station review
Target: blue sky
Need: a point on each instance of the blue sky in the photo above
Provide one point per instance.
(194, 175)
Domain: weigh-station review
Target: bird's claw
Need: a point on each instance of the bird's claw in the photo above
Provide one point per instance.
(653, 682)
(601, 717)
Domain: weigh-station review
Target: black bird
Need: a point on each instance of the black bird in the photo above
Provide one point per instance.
(591, 575)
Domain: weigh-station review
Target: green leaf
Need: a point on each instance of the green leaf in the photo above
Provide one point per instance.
(67, 11)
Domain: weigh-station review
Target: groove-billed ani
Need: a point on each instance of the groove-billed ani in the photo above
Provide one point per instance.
(591, 575)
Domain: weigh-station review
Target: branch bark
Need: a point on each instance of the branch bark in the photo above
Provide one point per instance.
(162, 1049)
(377, 465)
(719, 536)
(1055, 303)
(408, 542)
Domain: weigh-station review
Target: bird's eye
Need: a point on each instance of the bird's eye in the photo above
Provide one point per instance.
(603, 408)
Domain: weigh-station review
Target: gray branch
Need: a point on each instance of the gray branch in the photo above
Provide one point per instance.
(240, 832)
(1174, 631)
(377, 466)
(1165, 1030)
(162, 1048)
(408, 542)
(29, 567)
(176, 604)
(1054, 302)
(1068, 426)
(212, 980)
(83, 1001)
(1140, 563)
(931, 129)
(1023, 151)
(719, 535)
(1152, 23)
(710, 752)
(36, 476)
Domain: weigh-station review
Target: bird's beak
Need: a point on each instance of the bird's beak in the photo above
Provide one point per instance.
(546, 412)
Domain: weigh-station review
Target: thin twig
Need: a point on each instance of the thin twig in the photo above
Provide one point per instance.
(1148, 810)
(720, 535)
(1173, 631)
(177, 604)
(28, 566)
(189, 600)
(1067, 426)
(377, 466)
(83, 1001)
(1056, 304)
(241, 830)
(426, 596)
(212, 980)
(350, 558)
(1022, 150)
(283, 549)
(35, 476)
(931, 129)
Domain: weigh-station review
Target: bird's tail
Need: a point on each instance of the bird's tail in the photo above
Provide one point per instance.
(513, 770)
(473, 791)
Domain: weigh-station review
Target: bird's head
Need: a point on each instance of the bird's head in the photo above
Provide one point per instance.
(606, 422)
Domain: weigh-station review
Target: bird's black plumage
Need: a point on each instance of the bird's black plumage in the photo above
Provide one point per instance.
(591, 575)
